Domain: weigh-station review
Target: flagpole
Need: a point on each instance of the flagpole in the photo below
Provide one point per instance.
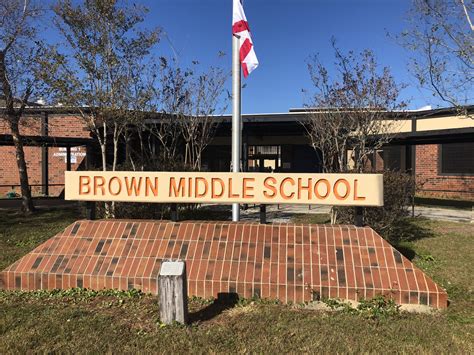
(236, 117)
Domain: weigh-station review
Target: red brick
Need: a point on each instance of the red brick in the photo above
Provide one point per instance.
(227, 257)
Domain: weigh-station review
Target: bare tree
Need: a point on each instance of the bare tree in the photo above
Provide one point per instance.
(19, 53)
(98, 74)
(200, 114)
(191, 102)
(441, 35)
(169, 98)
(348, 111)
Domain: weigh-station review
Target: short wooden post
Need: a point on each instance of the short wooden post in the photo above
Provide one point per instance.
(172, 288)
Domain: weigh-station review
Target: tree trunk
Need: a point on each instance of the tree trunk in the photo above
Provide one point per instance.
(27, 202)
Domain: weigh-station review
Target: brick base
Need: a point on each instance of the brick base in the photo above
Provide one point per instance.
(290, 262)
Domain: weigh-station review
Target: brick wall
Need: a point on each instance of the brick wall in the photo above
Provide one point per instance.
(58, 126)
(435, 184)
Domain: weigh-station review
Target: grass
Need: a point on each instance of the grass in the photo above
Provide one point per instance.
(316, 218)
(112, 321)
(20, 234)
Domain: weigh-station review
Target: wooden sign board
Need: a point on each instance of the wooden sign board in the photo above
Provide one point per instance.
(225, 188)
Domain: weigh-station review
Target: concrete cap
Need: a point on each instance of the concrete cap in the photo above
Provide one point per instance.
(172, 268)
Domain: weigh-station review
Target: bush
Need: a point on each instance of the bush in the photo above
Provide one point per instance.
(398, 190)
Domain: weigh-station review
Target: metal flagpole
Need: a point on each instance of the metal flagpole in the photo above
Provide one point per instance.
(236, 117)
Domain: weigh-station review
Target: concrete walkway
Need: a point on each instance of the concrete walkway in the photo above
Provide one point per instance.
(283, 213)
(445, 214)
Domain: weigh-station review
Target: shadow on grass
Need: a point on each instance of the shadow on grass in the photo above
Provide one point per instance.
(407, 231)
(406, 250)
(45, 215)
(223, 302)
(411, 229)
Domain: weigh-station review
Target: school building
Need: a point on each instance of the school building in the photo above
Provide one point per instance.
(437, 146)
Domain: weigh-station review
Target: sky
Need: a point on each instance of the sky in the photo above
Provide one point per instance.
(285, 34)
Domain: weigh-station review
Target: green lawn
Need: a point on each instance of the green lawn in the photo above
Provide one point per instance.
(84, 321)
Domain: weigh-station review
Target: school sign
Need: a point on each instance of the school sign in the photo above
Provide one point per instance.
(225, 188)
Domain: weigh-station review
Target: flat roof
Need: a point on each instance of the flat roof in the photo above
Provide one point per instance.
(294, 114)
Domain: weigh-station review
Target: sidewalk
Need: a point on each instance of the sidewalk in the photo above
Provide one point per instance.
(445, 214)
(284, 213)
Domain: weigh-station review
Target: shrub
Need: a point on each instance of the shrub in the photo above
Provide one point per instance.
(398, 190)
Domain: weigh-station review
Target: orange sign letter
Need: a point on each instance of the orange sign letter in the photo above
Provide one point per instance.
(177, 191)
(99, 182)
(348, 189)
(84, 181)
(357, 198)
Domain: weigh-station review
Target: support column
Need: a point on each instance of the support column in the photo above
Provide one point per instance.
(90, 210)
(174, 212)
(44, 157)
(89, 160)
(408, 162)
(413, 148)
(263, 214)
(359, 216)
(68, 158)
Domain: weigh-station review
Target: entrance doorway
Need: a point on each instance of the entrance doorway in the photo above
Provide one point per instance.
(264, 158)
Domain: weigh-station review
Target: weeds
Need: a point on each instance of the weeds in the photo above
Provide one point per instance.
(377, 308)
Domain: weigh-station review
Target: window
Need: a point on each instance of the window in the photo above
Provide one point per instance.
(457, 158)
(264, 150)
(394, 158)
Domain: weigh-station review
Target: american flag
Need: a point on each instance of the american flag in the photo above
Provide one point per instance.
(240, 29)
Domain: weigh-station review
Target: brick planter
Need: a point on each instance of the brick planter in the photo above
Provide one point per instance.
(290, 262)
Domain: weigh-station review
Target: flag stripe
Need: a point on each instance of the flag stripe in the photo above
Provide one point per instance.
(245, 49)
(241, 29)
(245, 70)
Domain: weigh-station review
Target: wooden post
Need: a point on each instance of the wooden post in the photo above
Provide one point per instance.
(173, 292)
